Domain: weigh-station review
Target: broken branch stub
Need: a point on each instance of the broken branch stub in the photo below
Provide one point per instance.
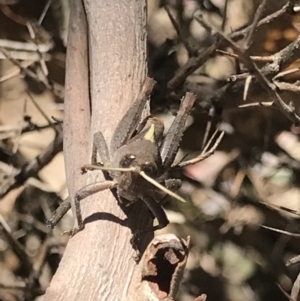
(159, 273)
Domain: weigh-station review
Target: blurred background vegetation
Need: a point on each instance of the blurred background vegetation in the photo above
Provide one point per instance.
(243, 201)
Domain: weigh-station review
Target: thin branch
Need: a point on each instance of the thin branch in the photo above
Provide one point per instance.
(247, 86)
(41, 111)
(16, 247)
(28, 47)
(288, 110)
(208, 126)
(7, 132)
(192, 65)
(280, 231)
(254, 24)
(283, 58)
(32, 32)
(195, 62)
(268, 104)
(31, 169)
(211, 140)
(285, 293)
(25, 70)
(29, 219)
(15, 71)
(176, 26)
(224, 15)
(26, 56)
(44, 12)
(204, 155)
(268, 58)
(29, 73)
(278, 61)
(12, 287)
(240, 34)
(293, 260)
(286, 72)
(296, 288)
(287, 86)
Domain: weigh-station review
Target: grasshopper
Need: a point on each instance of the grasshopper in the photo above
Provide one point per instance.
(138, 160)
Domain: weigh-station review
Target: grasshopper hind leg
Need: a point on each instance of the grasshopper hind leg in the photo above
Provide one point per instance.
(59, 213)
(100, 147)
(161, 217)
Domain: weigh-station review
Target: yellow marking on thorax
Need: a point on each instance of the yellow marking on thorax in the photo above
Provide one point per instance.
(149, 135)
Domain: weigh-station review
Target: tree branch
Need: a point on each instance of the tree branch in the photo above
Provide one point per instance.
(98, 262)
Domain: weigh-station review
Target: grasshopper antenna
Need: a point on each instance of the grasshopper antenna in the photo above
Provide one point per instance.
(161, 187)
(141, 173)
(86, 167)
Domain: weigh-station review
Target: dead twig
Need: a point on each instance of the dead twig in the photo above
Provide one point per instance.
(254, 24)
(15, 71)
(31, 169)
(40, 110)
(181, 37)
(268, 58)
(208, 126)
(45, 10)
(286, 72)
(160, 270)
(224, 15)
(278, 61)
(296, 288)
(293, 260)
(247, 86)
(288, 110)
(29, 47)
(205, 153)
(287, 86)
(29, 219)
(26, 71)
(30, 73)
(11, 131)
(240, 34)
(196, 62)
(268, 104)
(283, 58)
(280, 231)
(16, 247)
(192, 65)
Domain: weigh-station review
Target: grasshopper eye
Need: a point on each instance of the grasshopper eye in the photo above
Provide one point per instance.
(149, 168)
(127, 160)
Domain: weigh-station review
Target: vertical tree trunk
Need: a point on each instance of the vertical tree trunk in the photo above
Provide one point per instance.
(98, 261)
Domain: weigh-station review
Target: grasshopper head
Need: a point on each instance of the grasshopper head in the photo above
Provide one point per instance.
(140, 156)
(140, 163)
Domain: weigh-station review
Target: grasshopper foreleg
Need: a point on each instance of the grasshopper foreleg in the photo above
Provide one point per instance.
(100, 146)
(84, 193)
